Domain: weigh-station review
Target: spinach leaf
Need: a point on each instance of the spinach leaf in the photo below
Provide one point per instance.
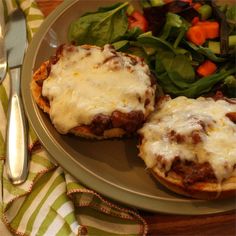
(147, 40)
(181, 66)
(167, 85)
(124, 41)
(132, 34)
(154, 42)
(178, 80)
(137, 51)
(178, 67)
(101, 27)
(108, 8)
(135, 48)
(205, 51)
(120, 44)
(195, 89)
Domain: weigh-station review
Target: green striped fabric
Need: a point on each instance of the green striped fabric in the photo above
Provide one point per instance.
(51, 202)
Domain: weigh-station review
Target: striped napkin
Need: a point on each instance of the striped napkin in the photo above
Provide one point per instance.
(51, 202)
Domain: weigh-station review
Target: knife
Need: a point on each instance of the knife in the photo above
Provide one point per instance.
(3, 61)
(16, 138)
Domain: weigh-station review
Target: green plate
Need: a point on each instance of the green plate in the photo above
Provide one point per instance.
(109, 167)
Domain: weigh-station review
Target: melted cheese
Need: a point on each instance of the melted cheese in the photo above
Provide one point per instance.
(185, 116)
(90, 81)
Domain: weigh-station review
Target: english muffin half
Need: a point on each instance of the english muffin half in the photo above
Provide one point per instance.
(189, 145)
(94, 92)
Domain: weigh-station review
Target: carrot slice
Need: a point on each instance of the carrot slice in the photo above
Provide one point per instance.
(206, 68)
(197, 5)
(196, 35)
(195, 20)
(202, 30)
(211, 28)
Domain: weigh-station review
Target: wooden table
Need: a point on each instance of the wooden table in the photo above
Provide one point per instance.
(163, 224)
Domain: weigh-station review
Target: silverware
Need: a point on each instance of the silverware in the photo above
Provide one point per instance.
(3, 61)
(16, 140)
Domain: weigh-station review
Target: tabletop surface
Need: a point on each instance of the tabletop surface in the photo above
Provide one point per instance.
(163, 224)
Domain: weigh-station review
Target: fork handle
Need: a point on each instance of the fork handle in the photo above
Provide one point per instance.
(16, 140)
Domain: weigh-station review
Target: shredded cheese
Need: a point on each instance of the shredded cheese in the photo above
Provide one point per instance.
(184, 116)
(91, 80)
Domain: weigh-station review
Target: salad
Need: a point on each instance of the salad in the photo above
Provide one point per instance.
(190, 46)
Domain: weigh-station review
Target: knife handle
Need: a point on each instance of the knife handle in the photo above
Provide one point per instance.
(16, 140)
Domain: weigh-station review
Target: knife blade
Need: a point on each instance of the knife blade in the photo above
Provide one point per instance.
(3, 60)
(16, 138)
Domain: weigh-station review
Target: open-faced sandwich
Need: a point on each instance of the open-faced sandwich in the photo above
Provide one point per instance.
(190, 146)
(94, 92)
